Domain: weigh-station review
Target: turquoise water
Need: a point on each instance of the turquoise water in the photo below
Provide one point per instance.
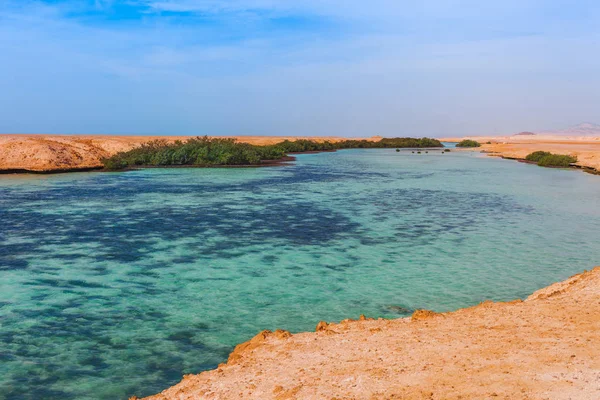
(115, 284)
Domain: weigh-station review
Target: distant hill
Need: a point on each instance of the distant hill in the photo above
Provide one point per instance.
(525, 134)
(584, 129)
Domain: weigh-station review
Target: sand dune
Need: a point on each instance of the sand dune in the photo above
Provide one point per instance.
(546, 347)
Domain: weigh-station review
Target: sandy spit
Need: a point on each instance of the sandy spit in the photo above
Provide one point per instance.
(586, 149)
(56, 153)
(546, 347)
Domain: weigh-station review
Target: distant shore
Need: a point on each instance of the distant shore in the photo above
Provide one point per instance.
(586, 149)
(78, 153)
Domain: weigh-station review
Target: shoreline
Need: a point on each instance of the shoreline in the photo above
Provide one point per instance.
(50, 172)
(264, 163)
(48, 154)
(583, 168)
(545, 346)
(289, 158)
(36, 153)
(586, 149)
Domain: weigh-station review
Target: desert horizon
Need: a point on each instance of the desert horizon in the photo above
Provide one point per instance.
(47, 153)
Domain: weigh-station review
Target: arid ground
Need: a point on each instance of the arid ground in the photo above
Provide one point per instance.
(546, 347)
(586, 149)
(56, 153)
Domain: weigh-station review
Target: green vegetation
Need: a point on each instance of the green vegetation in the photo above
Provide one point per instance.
(199, 151)
(547, 159)
(536, 156)
(468, 143)
(557, 160)
(207, 152)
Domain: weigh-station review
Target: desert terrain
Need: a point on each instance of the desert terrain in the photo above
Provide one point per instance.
(546, 347)
(62, 153)
(585, 148)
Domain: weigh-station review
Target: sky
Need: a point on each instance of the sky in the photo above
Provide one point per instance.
(311, 67)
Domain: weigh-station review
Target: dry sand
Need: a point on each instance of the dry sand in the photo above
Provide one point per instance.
(55, 153)
(586, 149)
(546, 347)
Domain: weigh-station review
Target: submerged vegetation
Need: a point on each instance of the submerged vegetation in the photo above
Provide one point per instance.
(207, 152)
(468, 143)
(547, 159)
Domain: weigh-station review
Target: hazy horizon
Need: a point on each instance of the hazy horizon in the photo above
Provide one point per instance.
(312, 68)
(560, 132)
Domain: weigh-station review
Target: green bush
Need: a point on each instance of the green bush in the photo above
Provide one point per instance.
(557, 160)
(536, 156)
(205, 151)
(547, 159)
(468, 143)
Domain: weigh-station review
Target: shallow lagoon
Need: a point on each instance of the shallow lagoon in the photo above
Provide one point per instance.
(114, 284)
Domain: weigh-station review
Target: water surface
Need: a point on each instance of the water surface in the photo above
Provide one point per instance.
(114, 284)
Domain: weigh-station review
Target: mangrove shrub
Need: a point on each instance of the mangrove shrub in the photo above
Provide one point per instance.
(468, 143)
(205, 151)
(547, 159)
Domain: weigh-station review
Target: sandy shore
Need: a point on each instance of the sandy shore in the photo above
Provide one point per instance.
(546, 347)
(586, 149)
(56, 153)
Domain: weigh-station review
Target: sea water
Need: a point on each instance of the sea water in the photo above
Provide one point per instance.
(117, 284)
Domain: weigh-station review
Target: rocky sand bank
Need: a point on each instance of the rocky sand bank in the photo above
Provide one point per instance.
(546, 347)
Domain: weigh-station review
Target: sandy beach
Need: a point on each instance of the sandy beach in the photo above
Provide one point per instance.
(546, 347)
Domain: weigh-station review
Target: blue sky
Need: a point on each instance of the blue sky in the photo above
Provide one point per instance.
(328, 67)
